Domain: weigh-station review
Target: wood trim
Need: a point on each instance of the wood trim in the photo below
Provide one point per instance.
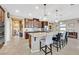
(2, 8)
(29, 41)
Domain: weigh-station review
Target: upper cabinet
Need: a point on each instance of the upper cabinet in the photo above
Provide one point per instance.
(35, 23)
(28, 23)
(32, 23)
(44, 23)
(2, 14)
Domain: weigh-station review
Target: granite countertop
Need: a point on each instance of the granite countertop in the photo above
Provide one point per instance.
(41, 34)
(37, 34)
(35, 31)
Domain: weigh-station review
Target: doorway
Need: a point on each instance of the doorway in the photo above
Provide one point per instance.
(17, 27)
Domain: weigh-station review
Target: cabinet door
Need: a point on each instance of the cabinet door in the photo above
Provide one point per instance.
(0, 15)
(3, 16)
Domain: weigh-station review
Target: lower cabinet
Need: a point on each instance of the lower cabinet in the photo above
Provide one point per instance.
(26, 35)
(34, 44)
(73, 35)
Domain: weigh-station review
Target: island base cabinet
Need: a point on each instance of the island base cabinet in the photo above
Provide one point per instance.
(34, 44)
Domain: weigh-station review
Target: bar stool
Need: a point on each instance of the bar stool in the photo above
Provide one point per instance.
(56, 41)
(64, 39)
(46, 43)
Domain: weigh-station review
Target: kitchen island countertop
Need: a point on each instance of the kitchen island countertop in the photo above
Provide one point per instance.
(35, 39)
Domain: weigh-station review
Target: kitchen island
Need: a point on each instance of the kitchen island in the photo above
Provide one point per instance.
(34, 39)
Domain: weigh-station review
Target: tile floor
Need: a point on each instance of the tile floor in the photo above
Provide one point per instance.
(19, 46)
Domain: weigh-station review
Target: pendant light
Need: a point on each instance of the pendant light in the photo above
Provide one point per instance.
(56, 20)
(45, 15)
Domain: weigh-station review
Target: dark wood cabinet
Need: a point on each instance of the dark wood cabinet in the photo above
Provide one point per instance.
(44, 23)
(20, 25)
(26, 35)
(2, 14)
(32, 23)
(73, 35)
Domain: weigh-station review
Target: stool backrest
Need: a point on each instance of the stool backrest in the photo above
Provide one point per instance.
(66, 36)
(58, 36)
(63, 36)
(49, 39)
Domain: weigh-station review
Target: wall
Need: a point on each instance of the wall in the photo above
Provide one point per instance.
(72, 26)
(7, 29)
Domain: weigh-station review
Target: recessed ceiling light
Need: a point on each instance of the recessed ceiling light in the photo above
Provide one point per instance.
(17, 11)
(30, 14)
(49, 13)
(36, 7)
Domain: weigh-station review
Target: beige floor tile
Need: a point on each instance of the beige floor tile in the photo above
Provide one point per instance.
(21, 47)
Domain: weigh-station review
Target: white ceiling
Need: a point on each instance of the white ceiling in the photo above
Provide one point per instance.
(66, 11)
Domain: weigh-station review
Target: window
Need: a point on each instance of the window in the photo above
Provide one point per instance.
(62, 27)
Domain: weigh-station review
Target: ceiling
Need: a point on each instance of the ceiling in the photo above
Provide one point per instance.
(65, 11)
